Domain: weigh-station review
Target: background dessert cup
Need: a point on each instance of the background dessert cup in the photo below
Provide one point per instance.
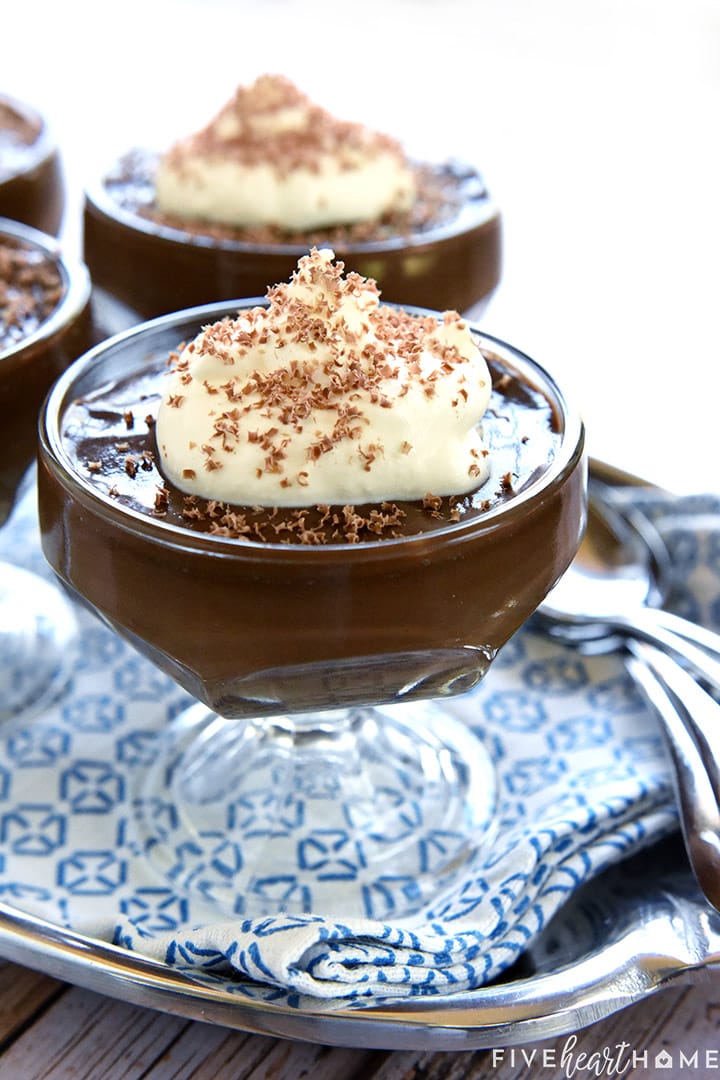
(153, 268)
(44, 325)
(326, 655)
(32, 185)
(231, 208)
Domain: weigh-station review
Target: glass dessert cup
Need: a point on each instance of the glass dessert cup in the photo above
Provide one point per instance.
(319, 770)
(32, 185)
(37, 624)
(150, 268)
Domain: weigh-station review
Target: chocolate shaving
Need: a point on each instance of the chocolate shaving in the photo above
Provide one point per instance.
(506, 484)
(162, 501)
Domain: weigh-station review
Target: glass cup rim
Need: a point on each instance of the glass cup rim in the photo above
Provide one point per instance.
(75, 279)
(566, 458)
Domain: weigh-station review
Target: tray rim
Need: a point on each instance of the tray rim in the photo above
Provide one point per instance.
(605, 982)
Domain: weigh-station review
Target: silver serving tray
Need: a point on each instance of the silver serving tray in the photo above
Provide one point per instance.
(635, 930)
(638, 928)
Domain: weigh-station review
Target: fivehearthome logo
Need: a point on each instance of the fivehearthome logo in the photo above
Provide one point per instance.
(611, 1061)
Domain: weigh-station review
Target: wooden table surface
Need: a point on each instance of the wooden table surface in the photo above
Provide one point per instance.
(597, 126)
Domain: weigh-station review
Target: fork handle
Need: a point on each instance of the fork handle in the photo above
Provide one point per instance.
(650, 624)
(691, 724)
(691, 631)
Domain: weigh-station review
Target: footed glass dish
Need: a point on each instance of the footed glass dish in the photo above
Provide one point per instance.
(319, 741)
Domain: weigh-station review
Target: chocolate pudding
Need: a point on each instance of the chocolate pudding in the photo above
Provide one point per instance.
(32, 188)
(436, 245)
(44, 325)
(258, 610)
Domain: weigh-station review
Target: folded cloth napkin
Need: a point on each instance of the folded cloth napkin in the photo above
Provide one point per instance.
(582, 778)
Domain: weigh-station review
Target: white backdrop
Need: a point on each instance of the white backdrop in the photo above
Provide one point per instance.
(594, 121)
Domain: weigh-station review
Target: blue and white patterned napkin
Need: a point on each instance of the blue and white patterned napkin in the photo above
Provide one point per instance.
(582, 775)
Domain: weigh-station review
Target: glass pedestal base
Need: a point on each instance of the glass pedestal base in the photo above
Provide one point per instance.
(38, 633)
(365, 812)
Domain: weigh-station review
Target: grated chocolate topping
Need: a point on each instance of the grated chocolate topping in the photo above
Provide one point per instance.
(30, 289)
(352, 363)
(244, 131)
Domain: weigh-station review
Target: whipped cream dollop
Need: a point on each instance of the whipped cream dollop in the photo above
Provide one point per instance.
(272, 157)
(326, 397)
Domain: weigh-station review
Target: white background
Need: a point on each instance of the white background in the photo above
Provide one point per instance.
(595, 122)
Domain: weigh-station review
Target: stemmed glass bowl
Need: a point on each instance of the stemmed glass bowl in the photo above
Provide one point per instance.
(320, 767)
